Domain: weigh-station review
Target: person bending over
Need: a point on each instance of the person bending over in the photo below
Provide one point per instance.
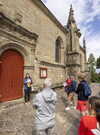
(45, 104)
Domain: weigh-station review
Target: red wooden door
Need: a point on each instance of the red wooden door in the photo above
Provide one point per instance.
(11, 75)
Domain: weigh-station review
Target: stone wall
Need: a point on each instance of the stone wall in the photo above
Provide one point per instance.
(82, 61)
(57, 73)
(28, 15)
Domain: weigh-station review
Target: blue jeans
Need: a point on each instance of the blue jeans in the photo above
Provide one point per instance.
(27, 94)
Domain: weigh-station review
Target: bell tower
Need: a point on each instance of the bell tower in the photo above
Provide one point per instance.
(73, 45)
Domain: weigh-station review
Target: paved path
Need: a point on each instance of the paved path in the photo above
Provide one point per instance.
(17, 118)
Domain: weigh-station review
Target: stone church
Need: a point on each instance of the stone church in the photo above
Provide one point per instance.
(32, 40)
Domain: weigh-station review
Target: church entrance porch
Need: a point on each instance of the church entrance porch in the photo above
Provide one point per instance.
(11, 75)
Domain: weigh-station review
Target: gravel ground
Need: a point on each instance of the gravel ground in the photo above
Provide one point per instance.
(17, 118)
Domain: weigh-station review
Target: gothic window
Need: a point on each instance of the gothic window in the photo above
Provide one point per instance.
(70, 49)
(58, 50)
(81, 62)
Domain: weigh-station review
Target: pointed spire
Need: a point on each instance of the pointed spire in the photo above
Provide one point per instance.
(71, 25)
(71, 15)
(84, 43)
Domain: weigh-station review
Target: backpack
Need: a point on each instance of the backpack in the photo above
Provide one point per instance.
(87, 89)
(74, 85)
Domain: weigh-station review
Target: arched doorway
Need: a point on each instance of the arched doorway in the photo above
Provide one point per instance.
(11, 75)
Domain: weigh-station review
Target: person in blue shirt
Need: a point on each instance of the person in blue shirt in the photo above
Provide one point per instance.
(27, 87)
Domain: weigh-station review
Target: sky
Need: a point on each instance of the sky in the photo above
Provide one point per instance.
(87, 16)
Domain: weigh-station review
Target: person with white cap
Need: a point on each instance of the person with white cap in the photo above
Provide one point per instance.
(45, 104)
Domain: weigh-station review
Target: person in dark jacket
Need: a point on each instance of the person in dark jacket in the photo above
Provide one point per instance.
(82, 104)
(27, 87)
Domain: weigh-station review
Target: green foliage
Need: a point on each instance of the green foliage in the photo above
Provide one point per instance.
(91, 59)
(95, 77)
(98, 62)
(92, 63)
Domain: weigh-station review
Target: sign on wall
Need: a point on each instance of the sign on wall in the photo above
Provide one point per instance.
(43, 72)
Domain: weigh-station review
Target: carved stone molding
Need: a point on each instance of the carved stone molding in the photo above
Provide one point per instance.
(73, 65)
(72, 53)
(18, 17)
(14, 38)
(14, 46)
(6, 23)
(29, 67)
(51, 64)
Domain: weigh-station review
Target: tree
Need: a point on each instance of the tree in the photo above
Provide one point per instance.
(91, 59)
(91, 62)
(98, 62)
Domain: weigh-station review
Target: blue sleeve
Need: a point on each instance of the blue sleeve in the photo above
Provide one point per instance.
(75, 85)
(25, 81)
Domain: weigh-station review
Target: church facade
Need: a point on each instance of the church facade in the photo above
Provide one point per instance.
(32, 40)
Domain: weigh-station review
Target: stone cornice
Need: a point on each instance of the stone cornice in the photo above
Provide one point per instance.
(72, 53)
(29, 67)
(15, 38)
(40, 4)
(6, 21)
(73, 65)
(52, 64)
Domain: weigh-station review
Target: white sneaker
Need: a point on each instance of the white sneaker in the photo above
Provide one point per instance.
(67, 108)
(73, 107)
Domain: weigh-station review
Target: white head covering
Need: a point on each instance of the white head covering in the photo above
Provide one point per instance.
(48, 82)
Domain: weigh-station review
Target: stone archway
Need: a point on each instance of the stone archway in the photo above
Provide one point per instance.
(16, 47)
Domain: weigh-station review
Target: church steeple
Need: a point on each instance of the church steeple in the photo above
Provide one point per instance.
(71, 24)
(71, 15)
(71, 19)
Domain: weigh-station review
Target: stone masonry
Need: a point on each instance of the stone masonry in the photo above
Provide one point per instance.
(30, 28)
